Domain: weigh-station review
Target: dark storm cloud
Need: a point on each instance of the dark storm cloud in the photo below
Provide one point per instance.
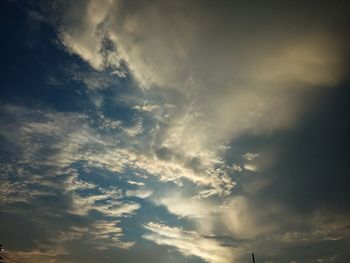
(312, 162)
(302, 191)
(310, 167)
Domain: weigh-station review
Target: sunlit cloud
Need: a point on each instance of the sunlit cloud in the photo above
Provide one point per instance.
(250, 167)
(189, 243)
(141, 193)
(106, 234)
(186, 132)
(135, 183)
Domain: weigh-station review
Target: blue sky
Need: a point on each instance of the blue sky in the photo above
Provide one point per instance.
(174, 131)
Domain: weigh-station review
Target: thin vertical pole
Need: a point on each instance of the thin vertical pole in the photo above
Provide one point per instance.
(253, 257)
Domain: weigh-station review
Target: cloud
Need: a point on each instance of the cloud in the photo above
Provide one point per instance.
(37, 255)
(147, 107)
(242, 79)
(72, 140)
(73, 183)
(135, 183)
(210, 77)
(88, 33)
(185, 206)
(106, 234)
(228, 82)
(44, 174)
(250, 156)
(141, 193)
(250, 167)
(189, 243)
(108, 203)
(237, 71)
(66, 146)
(235, 215)
(135, 130)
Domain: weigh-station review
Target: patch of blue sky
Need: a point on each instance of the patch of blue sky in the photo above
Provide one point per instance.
(30, 69)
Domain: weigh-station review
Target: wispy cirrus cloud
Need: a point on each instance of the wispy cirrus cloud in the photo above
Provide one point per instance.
(47, 149)
(54, 149)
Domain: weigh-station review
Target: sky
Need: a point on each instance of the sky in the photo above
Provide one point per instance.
(174, 131)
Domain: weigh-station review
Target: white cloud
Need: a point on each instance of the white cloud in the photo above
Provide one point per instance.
(109, 123)
(107, 234)
(141, 193)
(240, 82)
(225, 88)
(146, 107)
(135, 130)
(236, 215)
(49, 145)
(135, 183)
(74, 184)
(187, 207)
(250, 156)
(69, 139)
(87, 40)
(250, 167)
(189, 243)
(108, 204)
